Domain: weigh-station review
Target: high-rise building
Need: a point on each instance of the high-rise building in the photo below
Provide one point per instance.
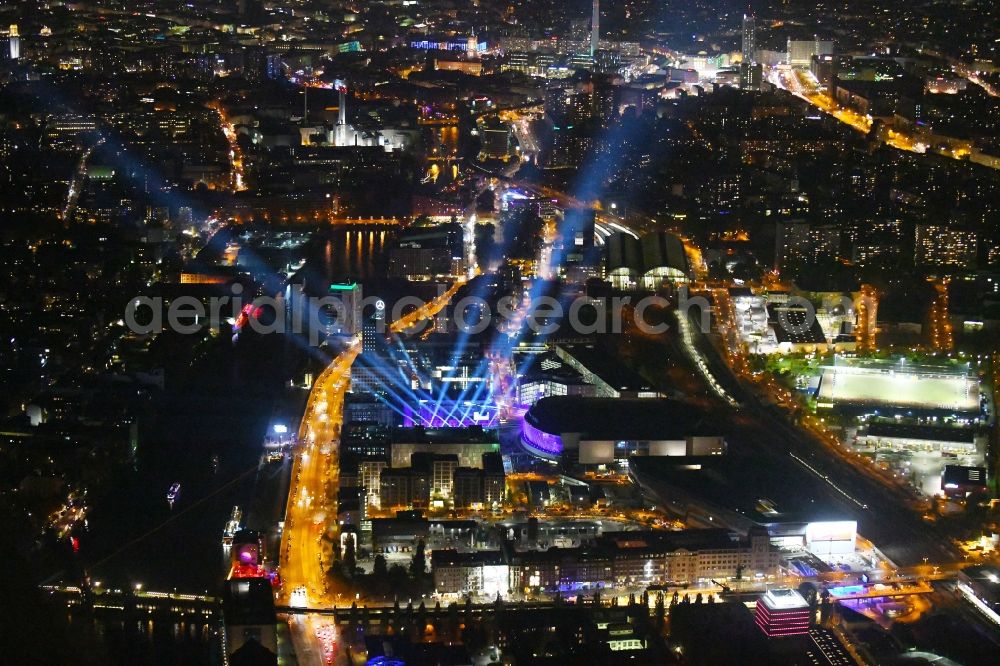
(782, 612)
(250, 11)
(595, 27)
(366, 439)
(260, 66)
(801, 52)
(342, 104)
(751, 73)
(608, 61)
(14, 41)
(496, 140)
(342, 313)
(373, 328)
(749, 37)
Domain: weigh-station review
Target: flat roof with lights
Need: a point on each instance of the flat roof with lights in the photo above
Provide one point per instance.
(784, 599)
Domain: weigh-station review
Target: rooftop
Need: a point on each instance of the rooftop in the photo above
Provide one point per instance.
(783, 599)
(618, 419)
(248, 601)
(606, 367)
(735, 485)
(421, 435)
(960, 475)
(790, 326)
(936, 433)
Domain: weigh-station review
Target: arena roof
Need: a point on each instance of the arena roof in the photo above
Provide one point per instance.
(618, 419)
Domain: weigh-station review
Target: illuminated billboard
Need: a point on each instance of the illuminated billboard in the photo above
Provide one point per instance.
(834, 537)
(496, 579)
(673, 447)
(594, 452)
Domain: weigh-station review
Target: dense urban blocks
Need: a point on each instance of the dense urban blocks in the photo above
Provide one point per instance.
(499, 332)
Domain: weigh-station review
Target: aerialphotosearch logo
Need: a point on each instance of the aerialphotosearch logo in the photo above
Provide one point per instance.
(320, 317)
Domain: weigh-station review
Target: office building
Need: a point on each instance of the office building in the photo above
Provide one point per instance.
(362, 406)
(442, 476)
(369, 478)
(751, 75)
(630, 558)
(801, 52)
(425, 253)
(467, 487)
(496, 140)
(782, 613)
(749, 44)
(494, 479)
(366, 439)
(468, 444)
(484, 487)
(404, 487)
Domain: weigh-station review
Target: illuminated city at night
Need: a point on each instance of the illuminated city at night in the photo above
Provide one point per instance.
(469, 332)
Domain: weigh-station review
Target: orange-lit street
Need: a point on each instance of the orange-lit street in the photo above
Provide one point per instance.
(802, 85)
(426, 311)
(310, 518)
(235, 154)
(311, 506)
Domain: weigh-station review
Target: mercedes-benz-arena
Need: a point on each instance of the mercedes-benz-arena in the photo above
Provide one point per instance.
(601, 431)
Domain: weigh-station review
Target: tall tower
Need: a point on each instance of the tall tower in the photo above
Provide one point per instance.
(15, 42)
(340, 136)
(749, 37)
(342, 107)
(595, 27)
